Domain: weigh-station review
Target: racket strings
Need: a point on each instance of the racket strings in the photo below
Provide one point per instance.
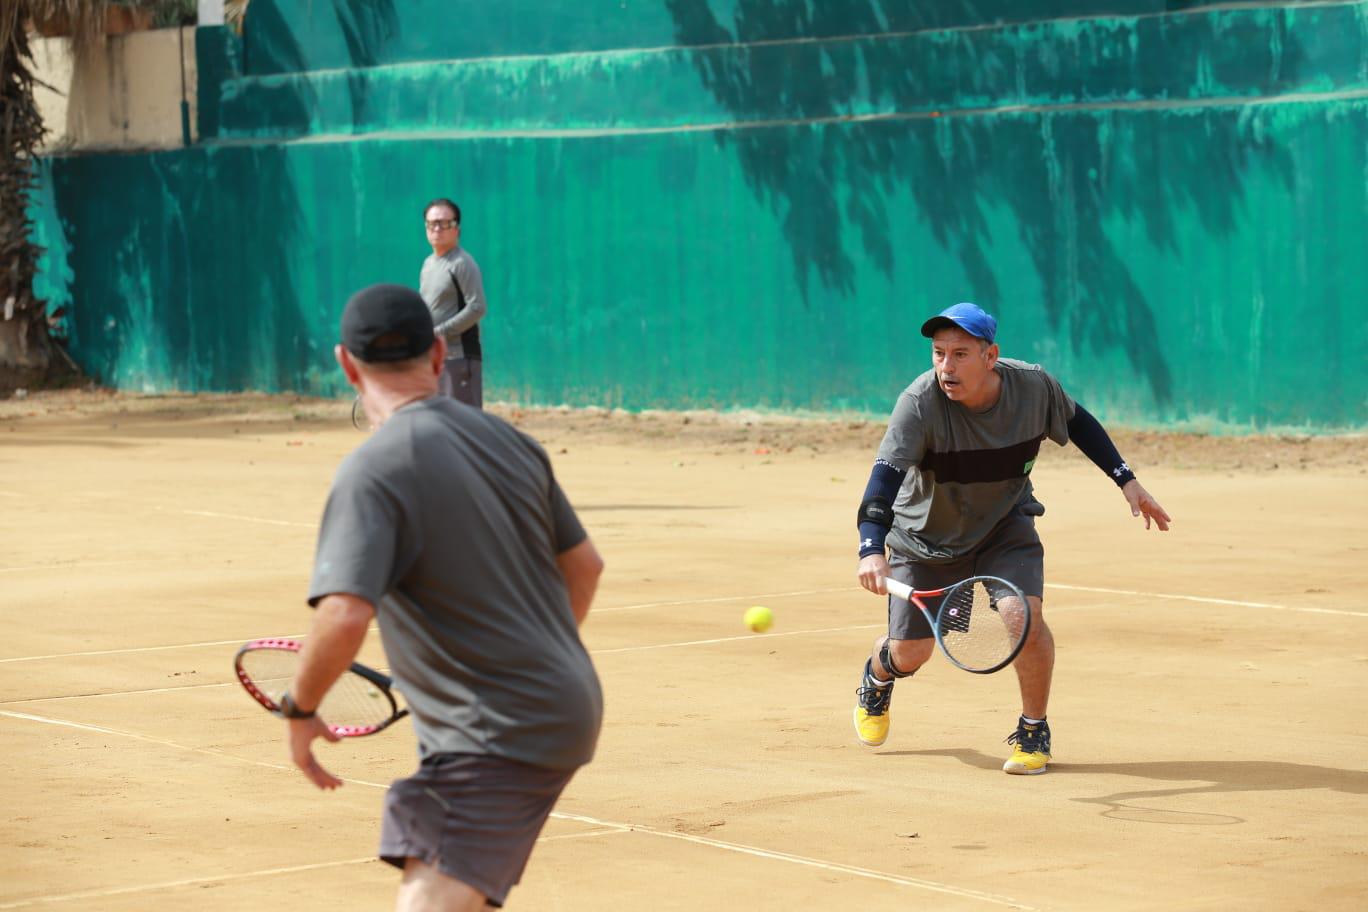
(981, 628)
(355, 702)
(352, 702)
(270, 670)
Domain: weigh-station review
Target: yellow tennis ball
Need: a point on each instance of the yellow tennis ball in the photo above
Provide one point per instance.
(759, 618)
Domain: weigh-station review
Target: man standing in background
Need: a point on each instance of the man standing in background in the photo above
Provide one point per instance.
(453, 289)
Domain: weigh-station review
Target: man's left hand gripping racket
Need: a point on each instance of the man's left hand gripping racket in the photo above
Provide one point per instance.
(982, 622)
(360, 702)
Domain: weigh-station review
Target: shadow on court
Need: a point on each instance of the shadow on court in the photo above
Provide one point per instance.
(1220, 776)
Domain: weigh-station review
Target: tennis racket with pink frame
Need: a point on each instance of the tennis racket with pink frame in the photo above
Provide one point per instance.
(360, 702)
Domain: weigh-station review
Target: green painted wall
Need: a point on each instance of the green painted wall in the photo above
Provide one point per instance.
(1165, 256)
(283, 36)
(1224, 54)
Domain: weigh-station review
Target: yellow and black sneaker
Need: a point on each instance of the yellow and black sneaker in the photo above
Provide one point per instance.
(871, 708)
(1031, 753)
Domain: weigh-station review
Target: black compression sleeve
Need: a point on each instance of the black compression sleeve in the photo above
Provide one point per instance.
(884, 482)
(1090, 437)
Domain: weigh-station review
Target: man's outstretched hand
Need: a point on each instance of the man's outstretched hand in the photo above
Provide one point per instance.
(1142, 503)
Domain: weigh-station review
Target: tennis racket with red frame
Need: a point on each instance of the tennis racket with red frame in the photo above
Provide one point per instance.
(980, 624)
(360, 702)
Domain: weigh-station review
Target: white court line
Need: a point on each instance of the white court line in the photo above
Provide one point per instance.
(594, 652)
(746, 636)
(621, 649)
(1209, 601)
(931, 885)
(106, 652)
(588, 834)
(253, 519)
(1131, 592)
(725, 598)
(172, 884)
(72, 565)
(116, 693)
(579, 818)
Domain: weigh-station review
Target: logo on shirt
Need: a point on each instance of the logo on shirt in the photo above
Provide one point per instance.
(1120, 470)
(1026, 469)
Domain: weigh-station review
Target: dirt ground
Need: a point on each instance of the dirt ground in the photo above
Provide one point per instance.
(1209, 737)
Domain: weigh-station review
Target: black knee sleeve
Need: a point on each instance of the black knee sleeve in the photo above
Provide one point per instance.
(886, 660)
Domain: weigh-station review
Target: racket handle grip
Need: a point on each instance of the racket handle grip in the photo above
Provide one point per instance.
(901, 590)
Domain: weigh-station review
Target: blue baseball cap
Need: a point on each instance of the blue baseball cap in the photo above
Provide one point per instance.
(971, 318)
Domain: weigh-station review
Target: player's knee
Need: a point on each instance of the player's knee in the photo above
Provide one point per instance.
(1040, 632)
(903, 657)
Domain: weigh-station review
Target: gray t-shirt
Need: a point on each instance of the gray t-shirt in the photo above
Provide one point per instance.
(455, 320)
(449, 521)
(967, 470)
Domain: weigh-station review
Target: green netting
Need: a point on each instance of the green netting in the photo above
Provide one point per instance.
(1157, 207)
(1161, 262)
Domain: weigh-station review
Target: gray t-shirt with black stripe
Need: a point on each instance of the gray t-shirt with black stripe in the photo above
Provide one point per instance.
(967, 470)
(453, 288)
(449, 521)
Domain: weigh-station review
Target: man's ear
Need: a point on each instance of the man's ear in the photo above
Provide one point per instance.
(439, 353)
(344, 361)
(992, 354)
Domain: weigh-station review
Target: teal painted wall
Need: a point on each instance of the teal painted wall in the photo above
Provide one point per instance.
(284, 36)
(1162, 249)
(1225, 54)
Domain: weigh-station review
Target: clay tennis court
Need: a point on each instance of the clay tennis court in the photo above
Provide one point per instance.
(1209, 737)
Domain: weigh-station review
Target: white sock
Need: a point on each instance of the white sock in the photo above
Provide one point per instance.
(1031, 721)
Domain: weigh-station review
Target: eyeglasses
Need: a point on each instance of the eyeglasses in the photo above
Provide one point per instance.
(441, 225)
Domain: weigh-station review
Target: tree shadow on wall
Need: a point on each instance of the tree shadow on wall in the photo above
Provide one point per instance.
(368, 26)
(182, 269)
(273, 44)
(266, 340)
(1063, 174)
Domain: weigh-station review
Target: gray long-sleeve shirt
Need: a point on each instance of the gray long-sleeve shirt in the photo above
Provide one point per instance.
(453, 319)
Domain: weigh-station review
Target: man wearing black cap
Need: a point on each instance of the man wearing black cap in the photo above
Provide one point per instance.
(448, 527)
(950, 497)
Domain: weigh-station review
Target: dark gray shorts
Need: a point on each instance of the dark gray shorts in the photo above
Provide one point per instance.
(1011, 551)
(462, 379)
(476, 818)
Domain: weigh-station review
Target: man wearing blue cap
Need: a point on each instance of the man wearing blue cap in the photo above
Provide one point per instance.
(950, 497)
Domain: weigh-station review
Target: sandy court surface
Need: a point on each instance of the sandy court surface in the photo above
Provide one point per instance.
(1209, 743)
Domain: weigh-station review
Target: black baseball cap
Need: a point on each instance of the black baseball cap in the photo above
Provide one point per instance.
(386, 323)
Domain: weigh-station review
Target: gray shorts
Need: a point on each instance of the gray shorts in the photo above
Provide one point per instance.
(476, 818)
(462, 379)
(1011, 551)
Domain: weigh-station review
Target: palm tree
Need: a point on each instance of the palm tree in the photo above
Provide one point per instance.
(25, 346)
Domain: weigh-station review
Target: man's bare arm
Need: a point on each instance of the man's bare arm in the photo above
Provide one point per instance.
(581, 566)
(338, 630)
(335, 637)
